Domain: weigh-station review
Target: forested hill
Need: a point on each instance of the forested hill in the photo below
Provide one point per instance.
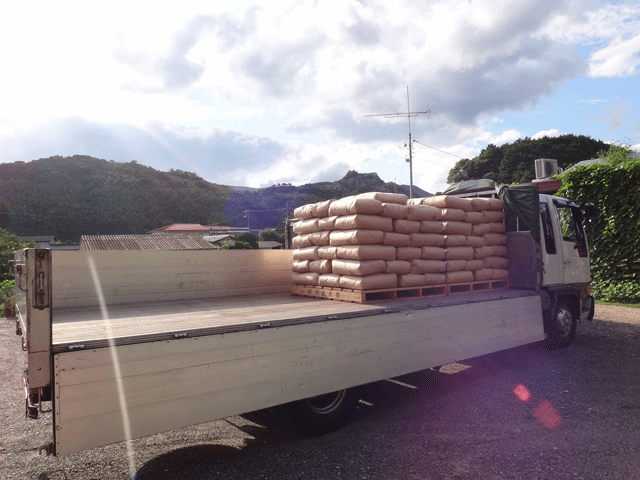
(514, 162)
(73, 196)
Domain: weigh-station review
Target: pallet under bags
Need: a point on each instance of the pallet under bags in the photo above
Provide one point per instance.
(382, 240)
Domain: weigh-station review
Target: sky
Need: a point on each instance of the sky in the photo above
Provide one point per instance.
(255, 94)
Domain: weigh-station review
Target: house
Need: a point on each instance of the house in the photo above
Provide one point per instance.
(144, 242)
(197, 229)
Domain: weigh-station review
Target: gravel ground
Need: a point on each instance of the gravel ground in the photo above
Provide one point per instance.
(524, 413)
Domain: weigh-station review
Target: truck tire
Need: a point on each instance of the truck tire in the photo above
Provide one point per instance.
(322, 414)
(561, 326)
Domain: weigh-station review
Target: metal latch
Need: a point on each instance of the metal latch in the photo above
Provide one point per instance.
(41, 280)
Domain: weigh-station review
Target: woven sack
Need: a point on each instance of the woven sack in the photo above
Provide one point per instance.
(432, 226)
(474, 217)
(306, 226)
(364, 222)
(433, 253)
(321, 209)
(452, 215)
(385, 197)
(482, 252)
(408, 253)
(459, 277)
(327, 223)
(393, 210)
(435, 278)
(499, 250)
(500, 274)
(459, 253)
(495, 239)
(411, 280)
(489, 216)
(398, 267)
(427, 266)
(370, 282)
(338, 238)
(456, 265)
(309, 278)
(406, 226)
(352, 205)
(495, 262)
(455, 241)
(319, 238)
(367, 252)
(474, 265)
(301, 241)
(320, 266)
(483, 274)
(396, 239)
(423, 212)
(359, 268)
(327, 252)
(426, 240)
(329, 280)
(307, 253)
(300, 266)
(303, 212)
(446, 201)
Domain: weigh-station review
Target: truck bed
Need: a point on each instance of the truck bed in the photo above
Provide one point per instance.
(89, 327)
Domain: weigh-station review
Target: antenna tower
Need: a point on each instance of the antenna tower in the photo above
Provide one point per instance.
(407, 114)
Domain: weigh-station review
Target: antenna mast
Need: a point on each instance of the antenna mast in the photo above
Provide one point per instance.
(407, 114)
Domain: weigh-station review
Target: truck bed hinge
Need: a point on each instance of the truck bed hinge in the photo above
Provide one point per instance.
(180, 335)
(47, 449)
(76, 347)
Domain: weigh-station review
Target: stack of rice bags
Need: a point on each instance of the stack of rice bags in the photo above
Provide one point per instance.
(382, 240)
(474, 237)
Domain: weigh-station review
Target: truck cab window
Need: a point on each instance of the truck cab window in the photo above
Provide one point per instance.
(571, 226)
(547, 229)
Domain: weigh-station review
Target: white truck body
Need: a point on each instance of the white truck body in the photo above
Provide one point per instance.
(134, 343)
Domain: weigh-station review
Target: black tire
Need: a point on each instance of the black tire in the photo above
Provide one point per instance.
(322, 414)
(561, 326)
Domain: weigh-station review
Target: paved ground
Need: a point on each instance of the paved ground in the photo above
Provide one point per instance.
(525, 413)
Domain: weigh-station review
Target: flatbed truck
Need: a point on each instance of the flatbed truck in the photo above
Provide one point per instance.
(127, 344)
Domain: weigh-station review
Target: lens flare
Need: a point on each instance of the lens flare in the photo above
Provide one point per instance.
(548, 415)
(116, 365)
(522, 393)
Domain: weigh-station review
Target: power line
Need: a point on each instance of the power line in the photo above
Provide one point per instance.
(429, 146)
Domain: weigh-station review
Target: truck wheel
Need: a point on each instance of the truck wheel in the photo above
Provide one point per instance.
(561, 328)
(322, 414)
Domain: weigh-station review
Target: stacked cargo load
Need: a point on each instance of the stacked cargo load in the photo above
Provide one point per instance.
(376, 241)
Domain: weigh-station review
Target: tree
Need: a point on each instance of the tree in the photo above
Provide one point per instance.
(514, 162)
(270, 235)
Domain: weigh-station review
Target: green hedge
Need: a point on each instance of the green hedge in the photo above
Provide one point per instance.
(614, 241)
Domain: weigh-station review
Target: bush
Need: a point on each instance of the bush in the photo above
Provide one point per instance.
(7, 302)
(614, 240)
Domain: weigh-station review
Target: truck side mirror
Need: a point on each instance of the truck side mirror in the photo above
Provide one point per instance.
(590, 213)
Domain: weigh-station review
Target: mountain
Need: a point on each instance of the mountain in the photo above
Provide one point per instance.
(80, 195)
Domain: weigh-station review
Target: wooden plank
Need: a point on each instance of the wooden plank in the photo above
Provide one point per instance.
(147, 276)
(272, 366)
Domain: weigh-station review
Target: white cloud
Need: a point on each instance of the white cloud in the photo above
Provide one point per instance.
(554, 132)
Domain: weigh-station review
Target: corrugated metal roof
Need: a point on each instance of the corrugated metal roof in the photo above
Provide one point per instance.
(144, 242)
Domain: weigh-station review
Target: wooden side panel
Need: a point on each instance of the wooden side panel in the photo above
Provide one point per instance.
(127, 277)
(176, 383)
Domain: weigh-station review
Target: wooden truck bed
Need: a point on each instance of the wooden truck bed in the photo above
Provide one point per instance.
(85, 327)
(136, 343)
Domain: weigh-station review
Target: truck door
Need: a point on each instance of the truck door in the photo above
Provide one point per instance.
(575, 254)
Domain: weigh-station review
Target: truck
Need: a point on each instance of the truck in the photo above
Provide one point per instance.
(126, 344)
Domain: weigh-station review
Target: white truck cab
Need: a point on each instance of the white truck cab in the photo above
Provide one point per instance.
(563, 270)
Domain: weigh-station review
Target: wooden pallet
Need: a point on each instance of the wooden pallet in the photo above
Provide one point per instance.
(369, 296)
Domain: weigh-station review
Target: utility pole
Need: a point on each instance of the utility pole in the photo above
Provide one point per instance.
(407, 114)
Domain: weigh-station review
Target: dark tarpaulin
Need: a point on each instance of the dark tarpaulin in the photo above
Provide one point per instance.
(521, 202)
(521, 208)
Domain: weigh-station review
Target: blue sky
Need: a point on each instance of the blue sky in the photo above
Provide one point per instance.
(253, 94)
